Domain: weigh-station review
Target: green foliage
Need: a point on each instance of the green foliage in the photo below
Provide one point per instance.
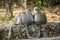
(15, 5)
(4, 18)
(12, 18)
(8, 17)
(39, 3)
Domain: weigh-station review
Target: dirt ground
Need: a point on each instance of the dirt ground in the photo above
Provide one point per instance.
(52, 14)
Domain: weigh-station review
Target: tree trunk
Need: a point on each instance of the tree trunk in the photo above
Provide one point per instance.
(24, 3)
(9, 10)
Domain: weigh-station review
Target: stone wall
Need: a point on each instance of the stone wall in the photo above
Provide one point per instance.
(15, 32)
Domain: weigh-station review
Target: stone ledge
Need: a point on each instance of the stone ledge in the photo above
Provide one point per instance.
(52, 38)
(16, 30)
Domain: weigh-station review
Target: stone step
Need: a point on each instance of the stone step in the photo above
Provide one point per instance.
(52, 38)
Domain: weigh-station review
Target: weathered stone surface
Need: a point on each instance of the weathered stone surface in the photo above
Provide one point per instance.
(14, 32)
